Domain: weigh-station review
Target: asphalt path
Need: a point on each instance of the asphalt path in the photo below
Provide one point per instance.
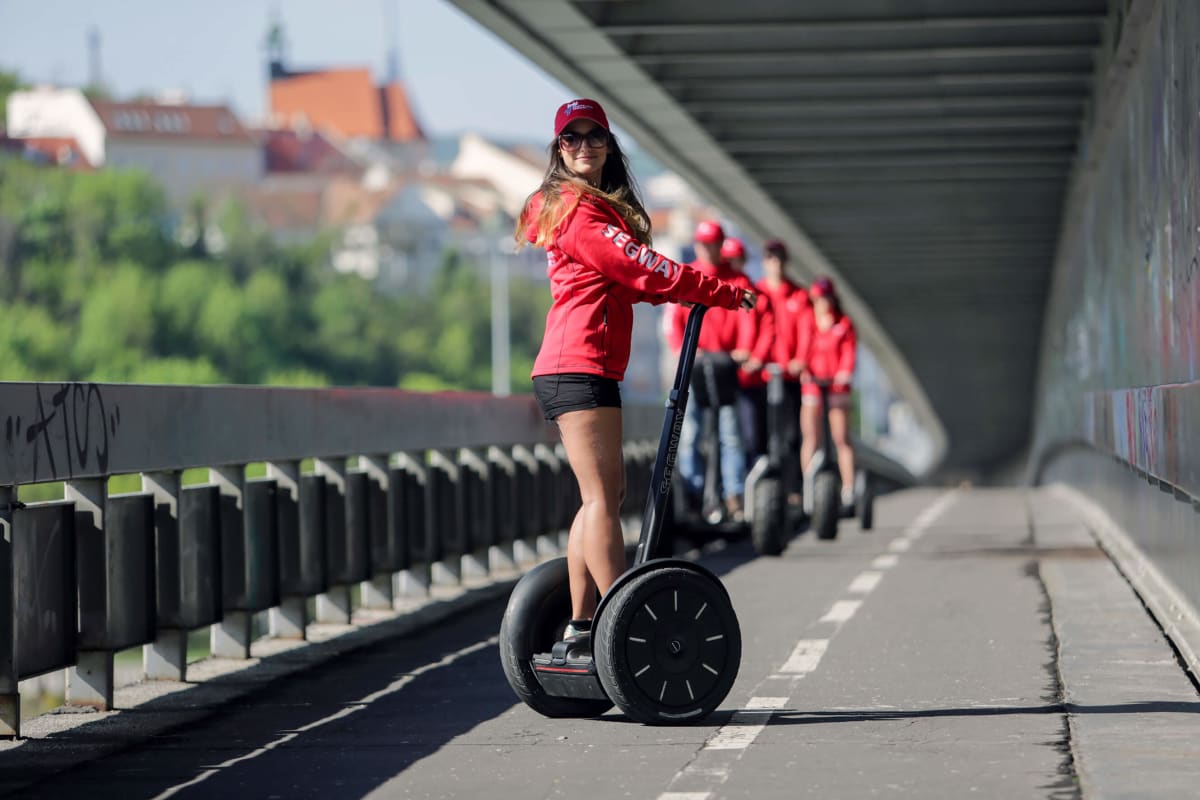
(917, 660)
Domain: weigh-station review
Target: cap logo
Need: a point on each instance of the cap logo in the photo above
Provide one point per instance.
(575, 105)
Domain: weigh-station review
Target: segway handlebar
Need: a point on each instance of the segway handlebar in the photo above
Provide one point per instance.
(668, 443)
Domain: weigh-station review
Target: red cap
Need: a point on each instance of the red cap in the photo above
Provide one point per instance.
(710, 232)
(733, 248)
(579, 109)
(821, 287)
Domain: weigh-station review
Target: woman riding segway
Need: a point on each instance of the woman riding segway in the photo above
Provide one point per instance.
(826, 345)
(589, 219)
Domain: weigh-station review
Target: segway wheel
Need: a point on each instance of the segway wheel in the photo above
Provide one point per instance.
(538, 610)
(668, 646)
(825, 505)
(866, 505)
(770, 518)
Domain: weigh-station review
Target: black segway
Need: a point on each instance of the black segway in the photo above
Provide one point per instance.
(822, 480)
(666, 645)
(773, 474)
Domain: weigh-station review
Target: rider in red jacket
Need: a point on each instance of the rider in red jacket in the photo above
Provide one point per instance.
(723, 332)
(825, 351)
(588, 217)
(756, 348)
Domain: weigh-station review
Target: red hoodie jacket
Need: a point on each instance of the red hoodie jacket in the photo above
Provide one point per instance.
(789, 302)
(725, 331)
(598, 270)
(827, 353)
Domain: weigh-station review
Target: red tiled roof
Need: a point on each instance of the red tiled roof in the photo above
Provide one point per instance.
(293, 151)
(166, 121)
(347, 102)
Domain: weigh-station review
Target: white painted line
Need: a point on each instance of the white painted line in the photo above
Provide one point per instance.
(805, 657)
(685, 796)
(345, 711)
(745, 726)
(885, 561)
(841, 611)
(866, 582)
(900, 544)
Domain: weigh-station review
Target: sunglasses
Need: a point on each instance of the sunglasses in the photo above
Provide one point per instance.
(595, 138)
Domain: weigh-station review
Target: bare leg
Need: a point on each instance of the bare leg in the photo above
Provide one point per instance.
(838, 425)
(592, 438)
(583, 588)
(811, 433)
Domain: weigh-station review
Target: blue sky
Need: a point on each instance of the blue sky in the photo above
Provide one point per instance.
(460, 76)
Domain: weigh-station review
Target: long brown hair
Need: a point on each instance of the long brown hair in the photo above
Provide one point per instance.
(561, 192)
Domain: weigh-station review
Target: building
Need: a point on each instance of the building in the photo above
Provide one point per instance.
(187, 148)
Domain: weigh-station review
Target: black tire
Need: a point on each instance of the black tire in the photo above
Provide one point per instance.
(825, 505)
(538, 610)
(769, 524)
(673, 666)
(866, 506)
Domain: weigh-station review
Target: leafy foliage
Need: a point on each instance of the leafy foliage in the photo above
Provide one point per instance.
(97, 289)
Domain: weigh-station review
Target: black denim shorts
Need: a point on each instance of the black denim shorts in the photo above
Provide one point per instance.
(558, 394)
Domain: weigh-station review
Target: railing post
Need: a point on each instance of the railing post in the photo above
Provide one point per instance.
(10, 699)
(477, 513)
(500, 553)
(377, 591)
(90, 681)
(230, 638)
(413, 581)
(543, 499)
(289, 619)
(525, 538)
(552, 497)
(447, 570)
(335, 604)
(166, 657)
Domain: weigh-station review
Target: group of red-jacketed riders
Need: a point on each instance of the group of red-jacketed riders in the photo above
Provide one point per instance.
(588, 218)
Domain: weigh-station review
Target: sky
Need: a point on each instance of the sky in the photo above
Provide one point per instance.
(460, 76)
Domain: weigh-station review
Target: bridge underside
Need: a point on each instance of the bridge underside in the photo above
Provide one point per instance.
(918, 150)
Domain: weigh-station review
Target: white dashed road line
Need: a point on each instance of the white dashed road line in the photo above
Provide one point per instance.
(805, 657)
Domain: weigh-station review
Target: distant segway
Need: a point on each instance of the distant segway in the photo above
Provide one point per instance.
(774, 475)
(822, 479)
(666, 646)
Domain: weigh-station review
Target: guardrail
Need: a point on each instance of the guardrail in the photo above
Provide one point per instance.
(407, 490)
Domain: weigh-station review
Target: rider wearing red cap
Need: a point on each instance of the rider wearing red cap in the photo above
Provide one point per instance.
(723, 332)
(825, 350)
(756, 346)
(588, 217)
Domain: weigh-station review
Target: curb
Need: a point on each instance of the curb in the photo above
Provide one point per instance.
(1172, 612)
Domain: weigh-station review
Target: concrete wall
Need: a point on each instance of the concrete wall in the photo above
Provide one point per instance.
(1120, 360)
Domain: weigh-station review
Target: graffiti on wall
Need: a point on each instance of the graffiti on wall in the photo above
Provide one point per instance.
(1124, 308)
(62, 431)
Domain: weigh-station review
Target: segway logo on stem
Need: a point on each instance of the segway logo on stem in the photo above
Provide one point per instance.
(669, 470)
(638, 253)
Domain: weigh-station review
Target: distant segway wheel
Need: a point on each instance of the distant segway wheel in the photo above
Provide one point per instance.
(538, 610)
(866, 503)
(825, 505)
(667, 646)
(769, 523)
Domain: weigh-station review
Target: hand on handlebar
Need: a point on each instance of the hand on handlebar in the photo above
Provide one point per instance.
(796, 368)
(752, 364)
(749, 300)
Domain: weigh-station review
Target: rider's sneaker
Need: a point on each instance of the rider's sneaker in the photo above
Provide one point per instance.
(733, 509)
(577, 628)
(848, 502)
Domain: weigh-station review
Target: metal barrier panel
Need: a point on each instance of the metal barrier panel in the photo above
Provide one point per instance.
(419, 535)
(117, 598)
(356, 558)
(249, 549)
(399, 512)
(189, 578)
(44, 580)
(444, 507)
(386, 544)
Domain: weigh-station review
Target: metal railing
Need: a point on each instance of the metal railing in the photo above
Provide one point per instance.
(406, 490)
